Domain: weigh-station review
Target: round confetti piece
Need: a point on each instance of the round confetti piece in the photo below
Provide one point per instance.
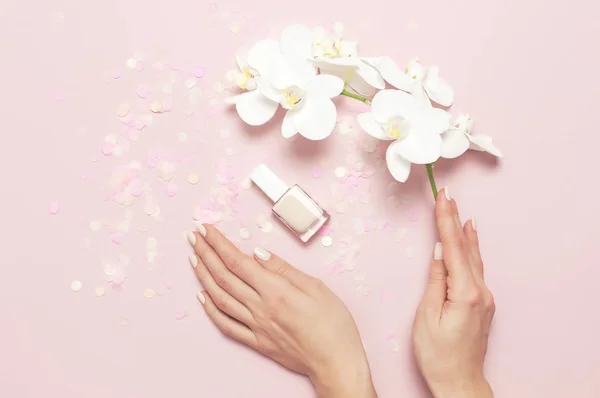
(193, 179)
(167, 88)
(156, 106)
(76, 286)
(317, 172)
(199, 72)
(131, 63)
(114, 73)
(171, 190)
(54, 207)
(261, 220)
(359, 166)
(268, 227)
(190, 83)
(123, 110)
(117, 238)
(99, 291)
(246, 184)
(182, 313)
(245, 234)
(182, 137)
(95, 225)
(326, 241)
(340, 172)
(340, 207)
(149, 293)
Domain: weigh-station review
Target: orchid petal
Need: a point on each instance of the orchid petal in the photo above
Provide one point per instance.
(296, 42)
(349, 48)
(370, 75)
(437, 89)
(398, 166)
(368, 123)
(484, 143)
(432, 120)
(262, 55)
(287, 127)
(454, 144)
(241, 58)
(391, 73)
(388, 103)
(420, 147)
(287, 73)
(316, 118)
(265, 87)
(254, 108)
(325, 85)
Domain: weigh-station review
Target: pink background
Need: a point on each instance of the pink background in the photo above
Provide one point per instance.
(525, 70)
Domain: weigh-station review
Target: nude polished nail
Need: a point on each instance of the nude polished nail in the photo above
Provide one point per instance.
(294, 207)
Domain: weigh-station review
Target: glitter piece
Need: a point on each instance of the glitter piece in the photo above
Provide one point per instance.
(246, 184)
(193, 179)
(99, 290)
(95, 225)
(199, 72)
(54, 207)
(317, 172)
(156, 106)
(123, 110)
(245, 234)
(149, 293)
(76, 286)
(326, 241)
(340, 172)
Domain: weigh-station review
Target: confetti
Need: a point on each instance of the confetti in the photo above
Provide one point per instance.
(317, 172)
(114, 73)
(149, 293)
(261, 220)
(246, 184)
(123, 110)
(76, 286)
(171, 190)
(340, 172)
(95, 225)
(54, 207)
(117, 238)
(193, 179)
(182, 313)
(199, 72)
(182, 137)
(245, 234)
(131, 63)
(326, 241)
(156, 106)
(190, 83)
(340, 207)
(99, 291)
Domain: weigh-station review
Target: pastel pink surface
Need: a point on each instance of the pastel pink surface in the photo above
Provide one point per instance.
(520, 68)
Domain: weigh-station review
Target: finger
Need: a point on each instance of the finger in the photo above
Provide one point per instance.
(222, 276)
(437, 288)
(473, 239)
(239, 264)
(229, 327)
(278, 266)
(223, 300)
(456, 256)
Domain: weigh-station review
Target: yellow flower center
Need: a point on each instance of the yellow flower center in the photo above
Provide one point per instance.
(292, 97)
(396, 127)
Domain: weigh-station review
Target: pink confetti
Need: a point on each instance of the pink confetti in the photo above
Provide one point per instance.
(167, 105)
(61, 96)
(119, 276)
(325, 231)
(54, 207)
(171, 189)
(169, 284)
(117, 237)
(317, 172)
(199, 72)
(115, 73)
(144, 91)
(182, 313)
(107, 149)
(83, 176)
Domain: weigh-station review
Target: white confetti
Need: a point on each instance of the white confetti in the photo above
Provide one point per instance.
(261, 220)
(182, 137)
(76, 286)
(156, 106)
(149, 293)
(167, 88)
(151, 243)
(190, 83)
(368, 171)
(123, 110)
(193, 179)
(245, 234)
(340, 207)
(326, 241)
(268, 227)
(95, 225)
(99, 291)
(131, 63)
(340, 172)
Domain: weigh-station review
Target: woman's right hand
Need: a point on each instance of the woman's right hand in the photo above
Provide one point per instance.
(452, 323)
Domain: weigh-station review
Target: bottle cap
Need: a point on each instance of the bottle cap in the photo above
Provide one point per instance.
(268, 182)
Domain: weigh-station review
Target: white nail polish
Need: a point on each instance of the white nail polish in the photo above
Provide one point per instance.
(437, 252)
(262, 254)
(193, 260)
(191, 238)
(201, 297)
(473, 224)
(447, 193)
(202, 229)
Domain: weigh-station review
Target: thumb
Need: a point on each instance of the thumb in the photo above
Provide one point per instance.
(437, 286)
(280, 267)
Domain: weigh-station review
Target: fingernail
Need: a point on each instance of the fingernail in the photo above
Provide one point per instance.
(447, 193)
(201, 297)
(437, 251)
(473, 224)
(262, 254)
(193, 260)
(202, 229)
(191, 238)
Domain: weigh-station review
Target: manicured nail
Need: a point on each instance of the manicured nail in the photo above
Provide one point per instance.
(473, 224)
(191, 238)
(201, 297)
(262, 254)
(447, 194)
(437, 251)
(202, 229)
(193, 260)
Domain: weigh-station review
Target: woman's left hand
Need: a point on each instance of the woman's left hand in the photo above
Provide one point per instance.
(290, 317)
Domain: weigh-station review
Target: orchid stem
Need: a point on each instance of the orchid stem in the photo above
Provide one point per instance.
(356, 96)
(432, 180)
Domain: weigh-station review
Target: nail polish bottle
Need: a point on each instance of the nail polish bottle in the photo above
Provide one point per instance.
(298, 211)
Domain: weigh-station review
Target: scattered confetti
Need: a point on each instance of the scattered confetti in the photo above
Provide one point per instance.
(245, 234)
(99, 291)
(340, 172)
(131, 63)
(261, 220)
(364, 197)
(317, 172)
(117, 238)
(190, 83)
(193, 179)
(182, 137)
(268, 227)
(95, 225)
(199, 72)
(156, 106)
(326, 241)
(171, 189)
(182, 313)
(123, 110)
(76, 286)
(149, 293)
(54, 208)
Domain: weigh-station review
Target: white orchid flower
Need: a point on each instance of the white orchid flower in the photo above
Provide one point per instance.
(459, 138)
(244, 78)
(414, 127)
(287, 78)
(423, 82)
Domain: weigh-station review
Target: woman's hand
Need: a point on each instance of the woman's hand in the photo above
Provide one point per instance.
(450, 332)
(277, 310)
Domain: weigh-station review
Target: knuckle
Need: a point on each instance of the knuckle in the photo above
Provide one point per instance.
(221, 280)
(474, 297)
(220, 301)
